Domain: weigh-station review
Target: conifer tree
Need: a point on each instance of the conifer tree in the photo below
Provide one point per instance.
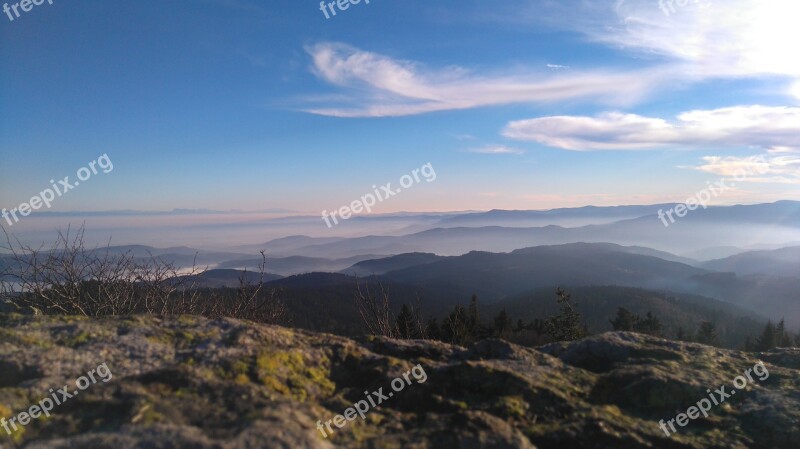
(707, 333)
(625, 320)
(405, 323)
(768, 338)
(649, 325)
(502, 324)
(566, 326)
(473, 318)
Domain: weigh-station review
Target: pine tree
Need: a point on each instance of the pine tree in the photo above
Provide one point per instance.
(405, 323)
(625, 320)
(455, 327)
(782, 338)
(565, 326)
(473, 318)
(649, 325)
(502, 324)
(768, 338)
(707, 333)
(749, 346)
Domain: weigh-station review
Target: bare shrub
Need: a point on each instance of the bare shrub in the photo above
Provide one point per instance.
(251, 302)
(375, 310)
(67, 278)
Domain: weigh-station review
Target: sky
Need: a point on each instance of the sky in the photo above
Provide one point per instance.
(270, 106)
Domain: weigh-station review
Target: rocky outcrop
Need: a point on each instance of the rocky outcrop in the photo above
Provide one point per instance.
(189, 382)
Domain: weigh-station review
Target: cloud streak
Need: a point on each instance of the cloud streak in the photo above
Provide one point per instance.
(496, 149)
(773, 168)
(730, 38)
(761, 126)
(382, 86)
(700, 41)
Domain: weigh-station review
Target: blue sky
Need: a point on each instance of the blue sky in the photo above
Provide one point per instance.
(254, 105)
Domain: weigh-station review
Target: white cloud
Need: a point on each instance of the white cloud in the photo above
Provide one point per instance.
(702, 40)
(714, 37)
(496, 149)
(794, 90)
(762, 126)
(783, 169)
(382, 86)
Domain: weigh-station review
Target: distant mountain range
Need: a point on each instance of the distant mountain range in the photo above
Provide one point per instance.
(497, 276)
(290, 265)
(324, 301)
(568, 217)
(227, 278)
(385, 265)
(731, 227)
(602, 276)
(746, 255)
(779, 262)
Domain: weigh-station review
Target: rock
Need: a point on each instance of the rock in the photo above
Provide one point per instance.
(194, 383)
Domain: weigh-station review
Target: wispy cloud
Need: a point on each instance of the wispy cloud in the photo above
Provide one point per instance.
(794, 90)
(773, 168)
(761, 126)
(700, 40)
(382, 86)
(496, 149)
(728, 38)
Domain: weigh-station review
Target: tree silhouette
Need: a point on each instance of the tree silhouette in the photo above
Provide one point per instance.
(502, 324)
(473, 318)
(405, 323)
(455, 328)
(625, 320)
(566, 326)
(767, 339)
(783, 339)
(649, 325)
(433, 330)
(630, 322)
(707, 333)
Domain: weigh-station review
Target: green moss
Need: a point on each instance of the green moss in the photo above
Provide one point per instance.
(71, 319)
(240, 367)
(76, 340)
(242, 379)
(187, 320)
(20, 338)
(147, 415)
(184, 393)
(186, 337)
(287, 373)
(165, 338)
(461, 405)
(178, 338)
(512, 406)
(237, 370)
(16, 435)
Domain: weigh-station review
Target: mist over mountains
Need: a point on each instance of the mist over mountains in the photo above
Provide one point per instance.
(500, 255)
